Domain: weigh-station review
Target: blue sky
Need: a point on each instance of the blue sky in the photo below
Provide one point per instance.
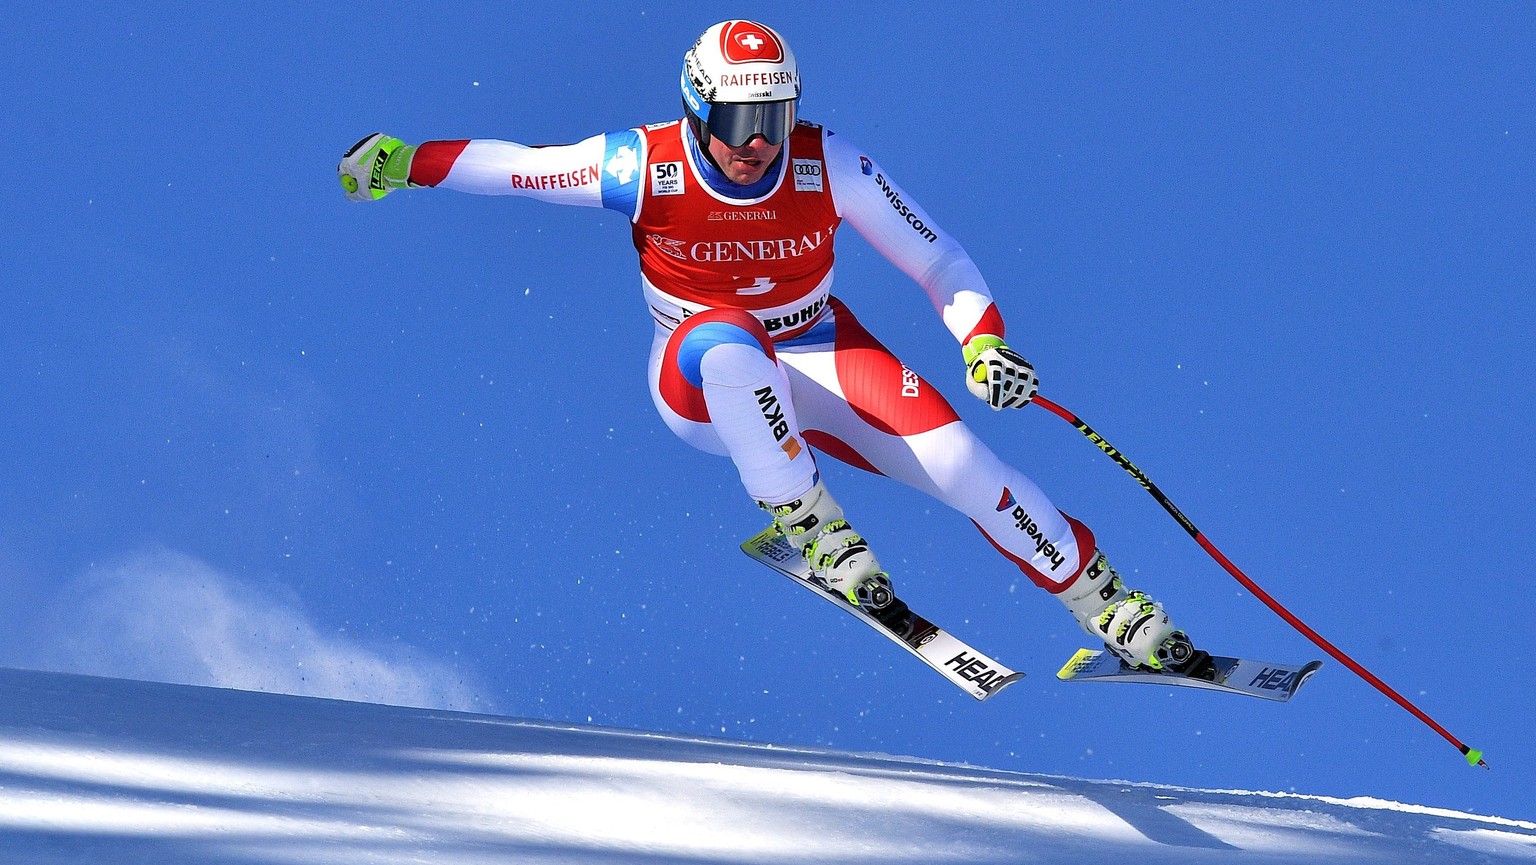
(1280, 255)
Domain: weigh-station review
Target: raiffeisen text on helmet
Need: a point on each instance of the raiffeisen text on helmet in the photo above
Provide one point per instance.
(757, 79)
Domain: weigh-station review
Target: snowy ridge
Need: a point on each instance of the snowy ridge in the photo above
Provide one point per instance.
(111, 770)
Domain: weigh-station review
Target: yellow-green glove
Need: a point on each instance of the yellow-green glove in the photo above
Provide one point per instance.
(375, 166)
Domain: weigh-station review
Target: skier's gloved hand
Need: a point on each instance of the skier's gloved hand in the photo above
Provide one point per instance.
(997, 375)
(375, 167)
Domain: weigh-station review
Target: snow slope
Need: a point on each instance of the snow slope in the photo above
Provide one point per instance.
(96, 770)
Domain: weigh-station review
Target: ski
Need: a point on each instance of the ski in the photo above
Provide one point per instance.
(964, 667)
(1262, 679)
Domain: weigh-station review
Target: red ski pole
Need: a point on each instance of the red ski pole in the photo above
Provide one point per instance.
(1474, 756)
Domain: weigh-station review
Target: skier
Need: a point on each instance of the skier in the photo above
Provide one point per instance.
(733, 210)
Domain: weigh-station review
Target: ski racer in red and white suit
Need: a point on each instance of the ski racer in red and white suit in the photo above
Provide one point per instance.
(755, 358)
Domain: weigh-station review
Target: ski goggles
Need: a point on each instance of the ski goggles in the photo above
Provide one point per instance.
(736, 123)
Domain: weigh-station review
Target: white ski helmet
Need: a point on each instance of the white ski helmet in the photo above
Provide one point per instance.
(740, 81)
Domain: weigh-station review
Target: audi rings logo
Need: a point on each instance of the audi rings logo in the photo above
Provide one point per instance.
(809, 175)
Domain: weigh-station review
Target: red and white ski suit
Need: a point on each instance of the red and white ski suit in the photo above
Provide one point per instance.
(753, 356)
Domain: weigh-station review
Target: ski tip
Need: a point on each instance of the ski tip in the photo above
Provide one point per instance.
(992, 690)
(1306, 673)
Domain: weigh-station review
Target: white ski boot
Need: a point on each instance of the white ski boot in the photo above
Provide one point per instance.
(839, 557)
(1133, 626)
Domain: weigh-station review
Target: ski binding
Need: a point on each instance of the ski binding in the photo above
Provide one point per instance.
(1262, 679)
(967, 669)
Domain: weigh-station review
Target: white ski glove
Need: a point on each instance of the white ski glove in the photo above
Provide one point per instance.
(375, 167)
(997, 375)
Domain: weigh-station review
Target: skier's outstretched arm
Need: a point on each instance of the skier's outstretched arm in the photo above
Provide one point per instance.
(904, 233)
(587, 173)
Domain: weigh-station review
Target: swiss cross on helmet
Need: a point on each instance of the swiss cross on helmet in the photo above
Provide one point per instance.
(740, 81)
